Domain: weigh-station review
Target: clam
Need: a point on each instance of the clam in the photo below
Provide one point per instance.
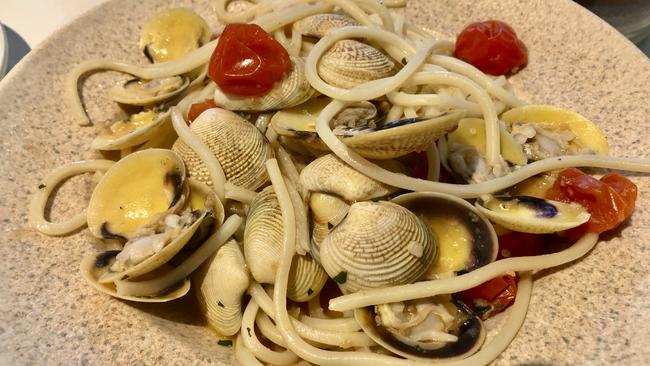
(350, 63)
(531, 214)
(306, 278)
(292, 90)
(136, 190)
(378, 244)
(263, 236)
(586, 135)
(329, 174)
(172, 33)
(139, 128)
(241, 149)
(429, 329)
(466, 240)
(93, 266)
(157, 243)
(319, 25)
(220, 284)
(146, 92)
(471, 132)
(373, 139)
(327, 212)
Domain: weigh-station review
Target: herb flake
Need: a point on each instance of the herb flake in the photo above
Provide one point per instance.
(309, 291)
(225, 342)
(41, 186)
(249, 331)
(220, 304)
(341, 277)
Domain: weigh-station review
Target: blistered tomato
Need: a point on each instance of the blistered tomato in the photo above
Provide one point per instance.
(197, 108)
(492, 47)
(610, 201)
(491, 297)
(247, 61)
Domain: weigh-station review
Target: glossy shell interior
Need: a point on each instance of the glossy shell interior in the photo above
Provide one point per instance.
(591, 312)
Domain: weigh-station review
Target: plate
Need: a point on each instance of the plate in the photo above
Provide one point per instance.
(591, 312)
(4, 51)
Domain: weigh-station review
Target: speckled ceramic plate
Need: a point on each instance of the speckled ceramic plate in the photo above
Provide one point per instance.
(593, 312)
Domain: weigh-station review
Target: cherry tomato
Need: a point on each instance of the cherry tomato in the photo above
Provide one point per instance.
(197, 108)
(515, 244)
(608, 207)
(416, 164)
(247, 61)
(491, 297)
(492, 47)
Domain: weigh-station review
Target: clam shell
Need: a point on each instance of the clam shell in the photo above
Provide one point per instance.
(319, 25)
(138, 129)
(91, 269)
(172, 33)
(241, 149)
(168, 251)
(202, 197)
(327, 208)
(145, 92)
(263, 236)
(466, 239)
(135, 191)
(292, 90)
(532, 215)
(329, 174)
(220, 283)
(378, 244)
(306, 278)
(350, 63)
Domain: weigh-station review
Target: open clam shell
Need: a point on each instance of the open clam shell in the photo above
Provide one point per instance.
(241, 149)
(202, 197)
(159, 243)
(146, 92)
(292, 90)
(92, 267)
(329, 174)
(466, 239)
(531, 214)
(378, 244)
(431, 329)
(385, 141)
(138, 129)
(172, 33)
(349, 63)
(135, 191)
(220, 284)
(318, 25)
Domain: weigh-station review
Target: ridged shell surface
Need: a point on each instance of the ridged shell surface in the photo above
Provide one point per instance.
(329, 174)
(292, 90)
(241, 149)
(350, 63)
(263, 236)
(378, 244)
(306, 278)
(221, 282)
(319, 25)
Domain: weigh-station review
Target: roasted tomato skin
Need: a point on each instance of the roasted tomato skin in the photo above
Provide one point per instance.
(247, 61)
(492, 47)
(490, 297)
(197, 108)
(608, 204)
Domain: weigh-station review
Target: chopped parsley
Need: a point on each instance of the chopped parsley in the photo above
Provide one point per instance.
(341, 277)
(249, 331)
(41, 186)
(225, 342)
(220, 304)
(309, 291)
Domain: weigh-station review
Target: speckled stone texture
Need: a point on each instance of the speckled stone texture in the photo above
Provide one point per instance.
(592, 312)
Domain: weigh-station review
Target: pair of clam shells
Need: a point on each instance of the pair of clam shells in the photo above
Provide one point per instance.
(145, 200)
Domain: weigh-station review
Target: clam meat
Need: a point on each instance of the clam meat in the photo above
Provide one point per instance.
(146, 92)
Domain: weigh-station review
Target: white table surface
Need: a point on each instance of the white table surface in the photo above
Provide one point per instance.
(35, 20)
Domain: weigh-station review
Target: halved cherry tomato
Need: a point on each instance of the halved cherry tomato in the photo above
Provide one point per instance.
(247, 61)
(608, 207)
(417, 166)
(492, 47)
(491, 297)
(198, 108)
(516, 244)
